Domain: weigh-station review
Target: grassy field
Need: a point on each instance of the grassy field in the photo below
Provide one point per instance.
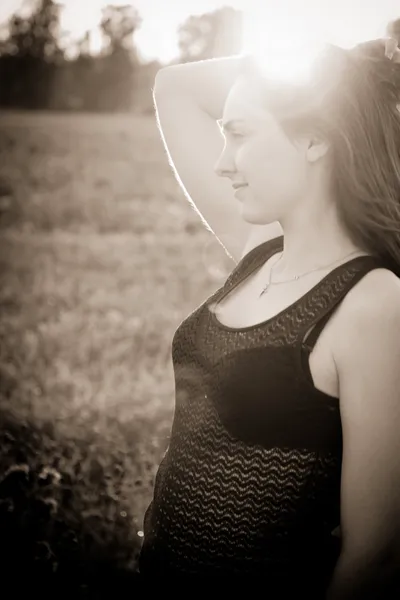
(101, 258)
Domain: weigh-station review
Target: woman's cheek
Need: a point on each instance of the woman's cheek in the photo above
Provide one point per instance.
(245, 155)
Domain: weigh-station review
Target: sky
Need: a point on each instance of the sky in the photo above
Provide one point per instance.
(344, 22)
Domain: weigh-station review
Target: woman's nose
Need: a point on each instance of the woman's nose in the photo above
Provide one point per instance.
(223, 167)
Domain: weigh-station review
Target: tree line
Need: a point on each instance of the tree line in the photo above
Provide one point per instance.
(38, 72)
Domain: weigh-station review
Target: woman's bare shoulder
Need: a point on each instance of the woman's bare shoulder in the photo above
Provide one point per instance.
(373, 287)
(369, 299)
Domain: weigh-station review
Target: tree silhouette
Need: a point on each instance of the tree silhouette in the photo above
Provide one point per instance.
(37, 36)
(119, 63)
(212, 34)
(29, 56)
(393, 30)
(118, 25)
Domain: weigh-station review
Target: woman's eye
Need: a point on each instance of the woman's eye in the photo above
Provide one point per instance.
(235, 135)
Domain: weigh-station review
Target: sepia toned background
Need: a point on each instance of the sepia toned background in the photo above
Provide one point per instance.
(101, 258)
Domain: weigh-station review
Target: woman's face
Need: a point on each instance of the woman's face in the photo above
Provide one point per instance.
(259, 154)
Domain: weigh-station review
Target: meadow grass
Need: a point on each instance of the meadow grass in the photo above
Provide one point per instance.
(101, 258)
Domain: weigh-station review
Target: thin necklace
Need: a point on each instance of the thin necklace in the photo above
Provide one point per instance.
(266, 288)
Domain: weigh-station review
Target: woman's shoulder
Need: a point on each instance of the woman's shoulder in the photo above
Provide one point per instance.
(367, 295)
(373, 298)
(375, 286)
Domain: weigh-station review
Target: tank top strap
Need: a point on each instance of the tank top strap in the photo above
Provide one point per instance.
(252, 260)
(357, 268)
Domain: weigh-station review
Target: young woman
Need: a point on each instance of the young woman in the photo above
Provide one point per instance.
(286, 427)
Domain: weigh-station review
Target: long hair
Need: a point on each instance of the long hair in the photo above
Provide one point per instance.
(353, 101)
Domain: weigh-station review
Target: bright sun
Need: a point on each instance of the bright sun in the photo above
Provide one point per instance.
(282, 52)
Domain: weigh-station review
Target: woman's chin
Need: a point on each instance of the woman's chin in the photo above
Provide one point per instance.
(248, 207)
(254, 217)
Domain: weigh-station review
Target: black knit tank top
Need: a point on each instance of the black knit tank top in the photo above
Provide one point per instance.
(250, 483)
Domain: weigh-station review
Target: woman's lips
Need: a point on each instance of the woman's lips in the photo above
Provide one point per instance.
(238, 189)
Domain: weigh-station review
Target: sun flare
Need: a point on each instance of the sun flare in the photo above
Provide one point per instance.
(282, 53)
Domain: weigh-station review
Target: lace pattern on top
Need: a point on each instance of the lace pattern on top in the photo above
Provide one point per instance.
(250, 483)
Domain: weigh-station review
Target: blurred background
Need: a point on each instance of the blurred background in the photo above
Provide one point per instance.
(101, 258)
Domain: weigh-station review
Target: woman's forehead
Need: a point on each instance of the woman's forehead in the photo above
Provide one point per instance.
(245, 101)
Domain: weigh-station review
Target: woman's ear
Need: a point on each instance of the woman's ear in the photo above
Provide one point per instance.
(317, 148)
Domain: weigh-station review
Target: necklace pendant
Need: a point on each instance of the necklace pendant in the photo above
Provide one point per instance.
(265, 289)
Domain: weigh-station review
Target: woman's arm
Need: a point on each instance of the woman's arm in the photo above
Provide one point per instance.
(207, 82)
(189, 98)
(367, 361)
